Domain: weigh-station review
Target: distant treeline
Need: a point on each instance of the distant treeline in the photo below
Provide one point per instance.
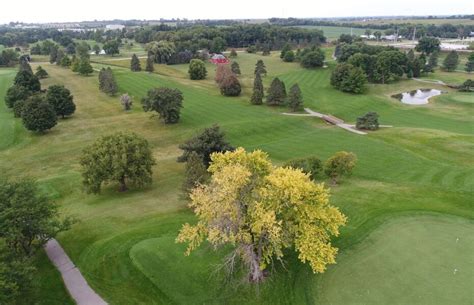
(404, 29)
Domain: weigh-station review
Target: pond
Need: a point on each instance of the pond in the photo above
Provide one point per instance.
(417, 97)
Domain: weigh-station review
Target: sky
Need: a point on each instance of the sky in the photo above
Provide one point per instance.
(63, 11)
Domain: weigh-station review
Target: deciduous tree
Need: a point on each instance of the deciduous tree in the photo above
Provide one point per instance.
(313, 59)
(28, 81)
(16, 93)
(195, 173)
(126, 101)
(124, 158)
(259, 211)
(230, 86)
(311, 166)
(341, 164)
(197, 69)
(165, 101)
(428, 45)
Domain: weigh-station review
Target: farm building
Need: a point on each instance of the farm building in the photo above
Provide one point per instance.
(219, 59)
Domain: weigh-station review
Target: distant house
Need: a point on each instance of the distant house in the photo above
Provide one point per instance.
(219, 59)
(369, 37)
(391, 37)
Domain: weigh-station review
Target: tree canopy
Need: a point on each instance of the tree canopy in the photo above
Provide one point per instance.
(259, 211)
(38, 115)
(451, 61)
(276, 93)
(61, 99)
(428, 45)
(348, 78)
(258, 91)
(209, 141)
(197, 69)
(295, 98)
(165, 101)
(124, 158)
(135, 64)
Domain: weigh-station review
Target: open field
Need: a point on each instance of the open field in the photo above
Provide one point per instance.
(417, 21)
(333, 32)
(124, 243)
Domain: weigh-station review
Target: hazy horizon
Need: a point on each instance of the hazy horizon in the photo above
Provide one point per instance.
(51, 11)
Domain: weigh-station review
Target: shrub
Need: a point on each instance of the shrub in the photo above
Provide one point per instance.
(230, 86)
(313, 59)
(369, 121)
(197, 69)
(311, 166)
(340, 164)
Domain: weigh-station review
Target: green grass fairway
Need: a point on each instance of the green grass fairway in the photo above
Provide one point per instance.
(124, 242)
(424, 260)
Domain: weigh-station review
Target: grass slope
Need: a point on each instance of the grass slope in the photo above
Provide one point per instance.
(124, 242)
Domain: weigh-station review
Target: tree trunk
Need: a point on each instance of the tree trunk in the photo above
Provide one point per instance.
(256, 274)
(123, 185)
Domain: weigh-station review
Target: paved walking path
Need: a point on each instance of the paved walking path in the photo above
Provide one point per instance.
(75, 283)
(430, 81)
(332, 120)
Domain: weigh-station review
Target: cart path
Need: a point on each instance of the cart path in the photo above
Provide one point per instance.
(75, 283)
(329, 119)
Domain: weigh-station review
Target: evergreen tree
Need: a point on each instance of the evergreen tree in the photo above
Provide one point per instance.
(107, 83)
(16, 93)
(25, 65)
(18, 108)
(65, 61)
(286, 48)
(41, 73)
(260, 68)
(149, 64)
(27, 80)
(369, 121)
(258, 91)
(135, 64)
(59, 56)
(53, 54)
(235, 67)
(276, 95)
(38, 115)
(209, 141)
(85, 67)
(195, 173)
(348, 78)
(266, 49)
(470, 63)
(451, 61)
(61, 99)
(233, 53)
(75, 64)
(433, 60)
(295, 98)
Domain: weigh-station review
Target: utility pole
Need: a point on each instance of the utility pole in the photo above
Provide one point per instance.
(414, 33)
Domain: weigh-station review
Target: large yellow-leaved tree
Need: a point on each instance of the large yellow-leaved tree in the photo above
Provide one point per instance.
(260, 210)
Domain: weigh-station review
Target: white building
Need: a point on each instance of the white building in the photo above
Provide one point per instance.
(114, 26)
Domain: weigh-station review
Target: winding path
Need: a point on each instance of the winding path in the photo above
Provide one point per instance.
(75, 283)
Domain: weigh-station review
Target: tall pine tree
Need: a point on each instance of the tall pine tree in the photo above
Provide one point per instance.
(276, 93)
(257, 95)
(135, 64)
(149, 64)
(295, 98)
(260, 68)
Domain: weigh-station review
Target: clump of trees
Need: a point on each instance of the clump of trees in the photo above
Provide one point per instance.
(135, 64)
(311, 58)
(369, 121)
(428, 45)
(259, 211)
(9, 58)
(124, 158)
(347, 78)
(276, 95)
(197, 69)
(111, 47)
(107, 83)
(451, 61)
(209, 141)
(340, 164)
(167, 102)
(228, 82)
(28, 219)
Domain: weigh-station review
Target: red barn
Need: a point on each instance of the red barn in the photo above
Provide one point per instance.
(219, 59)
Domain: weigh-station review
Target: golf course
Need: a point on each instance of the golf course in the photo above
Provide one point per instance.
(409, 201)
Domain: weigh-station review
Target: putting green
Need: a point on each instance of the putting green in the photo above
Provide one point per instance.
(409, 260)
